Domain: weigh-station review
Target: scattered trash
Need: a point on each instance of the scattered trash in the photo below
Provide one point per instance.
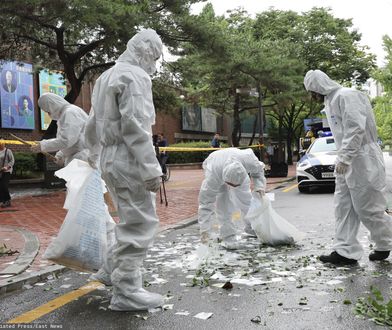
(227, 286)
(303, 301)
(167, 307)
(256, 319)
(203, 315)
(184, 313)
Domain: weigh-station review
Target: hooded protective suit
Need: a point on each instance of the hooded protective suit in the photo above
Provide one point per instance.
(232, 166)
(71, 121)
(119, 133)
(360, 172)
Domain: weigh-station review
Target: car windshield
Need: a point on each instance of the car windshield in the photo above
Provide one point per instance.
(322, 145)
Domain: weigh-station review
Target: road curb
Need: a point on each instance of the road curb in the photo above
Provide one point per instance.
(16, 283)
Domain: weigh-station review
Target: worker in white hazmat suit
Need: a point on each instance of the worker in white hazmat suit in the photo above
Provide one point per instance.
(71, 121)
(118, 133)
(225, 189)
(359, 169)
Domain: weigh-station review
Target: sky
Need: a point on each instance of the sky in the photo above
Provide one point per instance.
(371, 18)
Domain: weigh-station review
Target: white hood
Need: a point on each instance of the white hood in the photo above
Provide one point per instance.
(53, 104)
(143, 50)
(317, 81)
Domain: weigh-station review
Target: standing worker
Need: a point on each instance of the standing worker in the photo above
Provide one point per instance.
(7, 162)
(360, 171)
(119, 133)
(227, 183)
(71, 121)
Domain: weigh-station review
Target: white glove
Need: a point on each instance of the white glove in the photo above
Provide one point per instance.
(59, 160)
(36, 148)
(153, 184)
(341, 168)
(204, 237)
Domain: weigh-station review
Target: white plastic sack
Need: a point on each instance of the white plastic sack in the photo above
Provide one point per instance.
(82, 242)
(75, 174)
(269, 226)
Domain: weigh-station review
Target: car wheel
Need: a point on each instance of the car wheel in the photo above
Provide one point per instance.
(303, 189)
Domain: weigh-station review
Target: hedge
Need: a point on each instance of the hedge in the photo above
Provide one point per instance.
(183, 157)
(25, 164)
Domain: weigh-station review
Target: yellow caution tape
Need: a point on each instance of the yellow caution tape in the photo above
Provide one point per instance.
(182, 149)
(17, 142)
(179, 149)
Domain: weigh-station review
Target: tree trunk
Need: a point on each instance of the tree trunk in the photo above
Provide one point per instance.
(237, 121)
(254, 129)
(289, 150)
(280, 138)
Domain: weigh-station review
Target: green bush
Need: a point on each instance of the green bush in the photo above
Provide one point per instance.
(25, 164)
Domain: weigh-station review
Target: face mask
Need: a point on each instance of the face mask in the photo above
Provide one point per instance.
(149, 67)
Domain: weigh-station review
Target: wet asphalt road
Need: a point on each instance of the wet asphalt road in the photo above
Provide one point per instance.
(295, 290)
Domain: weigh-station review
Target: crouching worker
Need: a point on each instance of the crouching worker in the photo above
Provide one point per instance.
(71, 121)
(226, 189)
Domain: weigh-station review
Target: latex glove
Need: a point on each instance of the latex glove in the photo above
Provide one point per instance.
(341, 168)
(36, 148)
(153, 184)
(261, 192)
(92, 161)
(59, 160)
(204, 237)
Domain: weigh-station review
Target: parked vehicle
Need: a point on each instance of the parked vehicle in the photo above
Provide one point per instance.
(316, 167)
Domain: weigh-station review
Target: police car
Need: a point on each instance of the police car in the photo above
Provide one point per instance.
(316, 167)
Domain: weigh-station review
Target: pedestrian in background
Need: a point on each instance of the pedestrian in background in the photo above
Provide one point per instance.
(163, 156)
(360, 171)
(215, 142)
(7, 162)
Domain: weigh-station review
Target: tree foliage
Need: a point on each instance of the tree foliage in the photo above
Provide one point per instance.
(84, 37)
(271, 54)
(383, 104)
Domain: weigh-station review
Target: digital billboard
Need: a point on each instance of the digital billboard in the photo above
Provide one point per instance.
(191, 118)
(16, 92)
(53, 82)
(208, 120)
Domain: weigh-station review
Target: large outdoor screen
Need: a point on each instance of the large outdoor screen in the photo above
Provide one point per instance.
(53, 82)
(16, 92)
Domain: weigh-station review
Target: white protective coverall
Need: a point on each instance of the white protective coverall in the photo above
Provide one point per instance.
(221, 166)
(359, 193)
(71, 121)
(119, 133)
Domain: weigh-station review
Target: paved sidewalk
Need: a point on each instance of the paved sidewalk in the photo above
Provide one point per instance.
(39, 217)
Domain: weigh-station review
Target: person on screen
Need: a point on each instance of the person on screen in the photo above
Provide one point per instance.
(9, 84)
(25, 111)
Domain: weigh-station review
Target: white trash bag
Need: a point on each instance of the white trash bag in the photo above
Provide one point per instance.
(269, 226)
(82, 241)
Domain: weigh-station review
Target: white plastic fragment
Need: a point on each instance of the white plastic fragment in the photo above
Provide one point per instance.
(184, 313)
(203, 315)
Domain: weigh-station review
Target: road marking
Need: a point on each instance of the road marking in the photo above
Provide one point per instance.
(55, 303)
(290, 188)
